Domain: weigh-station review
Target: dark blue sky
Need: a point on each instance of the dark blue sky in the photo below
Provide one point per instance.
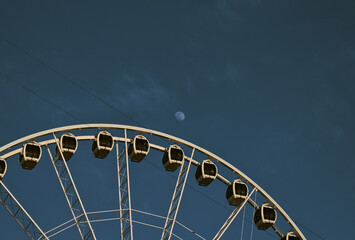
(266, 85)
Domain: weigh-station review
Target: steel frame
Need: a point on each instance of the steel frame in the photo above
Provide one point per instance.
(176, 199)
(19, 214)
(124, 192)
(231, 218)
(163, 135)
(71, 194)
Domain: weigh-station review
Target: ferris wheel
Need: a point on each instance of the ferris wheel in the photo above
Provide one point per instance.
(130, 147)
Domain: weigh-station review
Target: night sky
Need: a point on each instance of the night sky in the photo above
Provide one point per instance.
(266, 85)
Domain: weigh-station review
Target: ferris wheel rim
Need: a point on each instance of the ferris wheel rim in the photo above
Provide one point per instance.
(162, 135)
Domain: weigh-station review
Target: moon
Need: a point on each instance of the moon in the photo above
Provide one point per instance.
(180, 116)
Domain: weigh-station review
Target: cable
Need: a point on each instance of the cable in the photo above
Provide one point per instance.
(40, 97)
(67, 78)
(71, 81)
(118, 218)
(309, 230)
(241, 233)
(182, 225)
(251, 232)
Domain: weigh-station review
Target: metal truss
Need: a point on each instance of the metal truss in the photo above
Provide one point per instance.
(19, 214)
(175, 202)
(124, 193)
(72, 195)
(14, 150)
(231, 218)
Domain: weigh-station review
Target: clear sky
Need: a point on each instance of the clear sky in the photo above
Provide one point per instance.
(266, 85)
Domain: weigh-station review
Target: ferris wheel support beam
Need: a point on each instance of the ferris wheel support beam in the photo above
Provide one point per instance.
(124, 192)
(19, 214)
(175, 202)
(278, 231)
(163, 135)
(231, 218)
(71, 194)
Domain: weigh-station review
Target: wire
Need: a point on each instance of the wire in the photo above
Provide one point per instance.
(251, 232)
(40, 97)
(118, 218)
(182, 225)
(241, 233)
(315, 234)
(67, 78)
(70, 80)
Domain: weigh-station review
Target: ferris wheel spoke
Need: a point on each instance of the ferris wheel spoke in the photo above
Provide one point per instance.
(71, 193)
(19, 214)
(231, 218)
(176, 199)
(277, 231)
(30, 153)
(124, 193)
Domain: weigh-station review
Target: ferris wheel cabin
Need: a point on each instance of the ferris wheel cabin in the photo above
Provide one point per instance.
(206, 172)
(3, 168)
(173, 158)
(290, 236)
(237, 192)
(102, 144)
(264, 216)
(138, 148)
(68, 143)
(30, 155)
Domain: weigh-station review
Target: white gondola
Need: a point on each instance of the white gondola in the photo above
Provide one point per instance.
(30, 155)
(290, 236)
(173, 158)
(68, 143)
(206, 172)
(138, 148)
(102, 145)
(3, 168)
(237, 192)
(264, 216)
